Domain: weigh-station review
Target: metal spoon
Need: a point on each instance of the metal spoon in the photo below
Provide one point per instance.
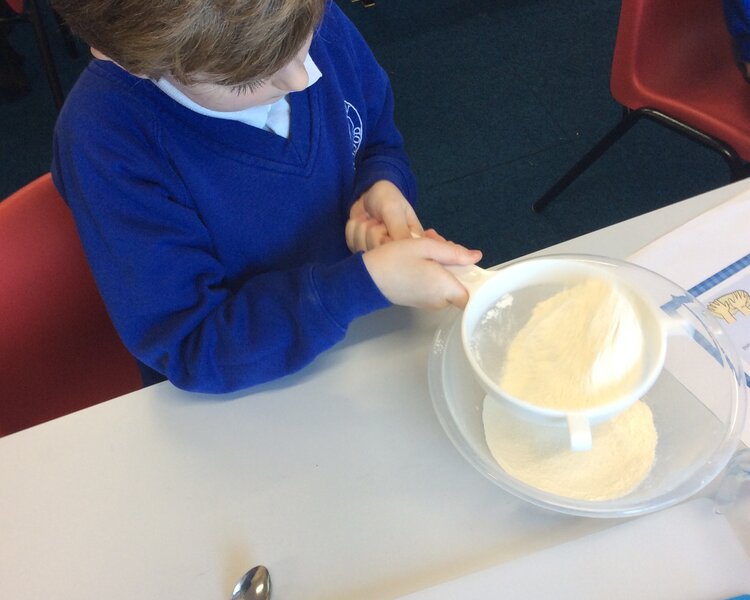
(254, 585)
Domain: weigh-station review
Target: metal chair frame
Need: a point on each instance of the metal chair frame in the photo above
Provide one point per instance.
(738, 168)
(32, 14)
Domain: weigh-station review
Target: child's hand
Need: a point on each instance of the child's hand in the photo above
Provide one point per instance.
(380, 215)
(411, 272)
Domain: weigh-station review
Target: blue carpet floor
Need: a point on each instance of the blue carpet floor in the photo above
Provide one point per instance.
(495, 98)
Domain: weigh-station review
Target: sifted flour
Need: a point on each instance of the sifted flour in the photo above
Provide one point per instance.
(621, 457)
(581, 348)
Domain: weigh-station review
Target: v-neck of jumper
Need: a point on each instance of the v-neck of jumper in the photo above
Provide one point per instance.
(238, 141)
(256, 146)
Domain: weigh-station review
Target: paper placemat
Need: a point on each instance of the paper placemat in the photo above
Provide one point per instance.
(709, 256)
(702, 247)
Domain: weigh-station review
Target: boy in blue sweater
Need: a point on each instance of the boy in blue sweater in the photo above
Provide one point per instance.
(239, 185)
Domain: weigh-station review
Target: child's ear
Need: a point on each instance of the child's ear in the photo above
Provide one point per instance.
(96, 54)
(99, 56)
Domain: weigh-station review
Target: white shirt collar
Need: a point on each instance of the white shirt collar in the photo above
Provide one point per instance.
(257, 116)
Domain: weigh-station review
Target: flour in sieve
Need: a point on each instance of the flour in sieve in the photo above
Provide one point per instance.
(581, 348)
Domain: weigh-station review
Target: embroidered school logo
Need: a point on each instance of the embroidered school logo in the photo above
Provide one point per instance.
(355, 126)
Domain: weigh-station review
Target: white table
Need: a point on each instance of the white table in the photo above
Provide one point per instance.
(339, 479)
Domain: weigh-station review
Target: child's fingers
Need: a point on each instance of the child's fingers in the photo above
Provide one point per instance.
(401, 221)
(396, 224)
(376, 235)
(431, 233)
(364, 235)
(447, 253)
(459, 298)
(413, 223)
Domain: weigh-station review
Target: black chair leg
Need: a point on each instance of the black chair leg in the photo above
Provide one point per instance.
(43, 42)
(629, 119)
(738, 168)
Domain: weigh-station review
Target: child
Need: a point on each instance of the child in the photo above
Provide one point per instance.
(239, 185)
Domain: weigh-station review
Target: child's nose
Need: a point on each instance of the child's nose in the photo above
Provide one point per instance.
(292, 77)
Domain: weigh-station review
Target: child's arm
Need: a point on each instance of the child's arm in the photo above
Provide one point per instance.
(737, 13)
(380, 156)
(407, 271)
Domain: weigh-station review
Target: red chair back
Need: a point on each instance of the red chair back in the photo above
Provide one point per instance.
(15, 5)
(58, 349)
(676, 57)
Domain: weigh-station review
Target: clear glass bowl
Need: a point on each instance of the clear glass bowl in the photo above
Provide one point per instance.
(698, 402)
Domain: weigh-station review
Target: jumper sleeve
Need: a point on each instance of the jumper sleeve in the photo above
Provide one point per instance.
(383, 155)
(167, 293)
(737, 13)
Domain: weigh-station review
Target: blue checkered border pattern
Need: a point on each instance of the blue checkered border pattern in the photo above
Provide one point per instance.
(722, 275)
(676, 302)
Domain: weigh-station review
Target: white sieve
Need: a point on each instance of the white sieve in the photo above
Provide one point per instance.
(512, 291)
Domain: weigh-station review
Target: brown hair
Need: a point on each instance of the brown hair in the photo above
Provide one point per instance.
(228, 42)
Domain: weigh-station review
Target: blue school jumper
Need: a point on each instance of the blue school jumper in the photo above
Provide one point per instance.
(737, 13)
(219, 247)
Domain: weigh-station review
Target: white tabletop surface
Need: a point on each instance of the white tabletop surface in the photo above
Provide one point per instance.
(339, 479)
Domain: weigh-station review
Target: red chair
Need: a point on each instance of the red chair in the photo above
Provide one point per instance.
(58, 349)
(673, 63)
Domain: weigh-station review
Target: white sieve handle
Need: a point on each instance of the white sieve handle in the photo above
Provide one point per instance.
(579, 429)
(471, 276)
